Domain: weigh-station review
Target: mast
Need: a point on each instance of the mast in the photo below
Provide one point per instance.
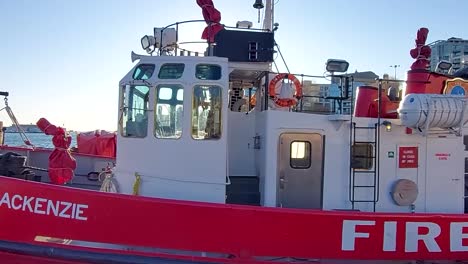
(269, 15)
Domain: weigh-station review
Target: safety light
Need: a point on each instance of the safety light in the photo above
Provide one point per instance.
(147, 43)
(443, 65)
(388, 125)
(334, 65)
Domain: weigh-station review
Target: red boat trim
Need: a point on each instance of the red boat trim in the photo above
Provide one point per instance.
(248, 233)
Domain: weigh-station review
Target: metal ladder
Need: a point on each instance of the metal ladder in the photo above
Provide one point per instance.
(356, 172)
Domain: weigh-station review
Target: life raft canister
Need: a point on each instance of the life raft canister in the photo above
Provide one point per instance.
(285, 102)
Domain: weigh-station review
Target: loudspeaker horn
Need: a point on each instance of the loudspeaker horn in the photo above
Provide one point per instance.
(135, 56)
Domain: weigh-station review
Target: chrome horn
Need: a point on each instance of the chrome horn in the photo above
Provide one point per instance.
(135, 56)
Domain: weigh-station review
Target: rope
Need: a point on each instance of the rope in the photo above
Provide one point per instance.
(276, 66)
(281, 54)
(36, 168)
(228, 180)
(136, 184)
(109, 184)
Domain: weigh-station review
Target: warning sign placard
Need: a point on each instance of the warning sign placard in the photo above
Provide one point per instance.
(408, 157)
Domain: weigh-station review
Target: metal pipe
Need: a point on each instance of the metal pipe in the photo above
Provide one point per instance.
(268, 20)
(250, 97)
(267, 81)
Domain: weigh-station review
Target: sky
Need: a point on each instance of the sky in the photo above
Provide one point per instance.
(63, 59)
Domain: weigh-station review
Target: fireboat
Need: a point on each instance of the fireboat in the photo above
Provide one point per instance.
(220, 159)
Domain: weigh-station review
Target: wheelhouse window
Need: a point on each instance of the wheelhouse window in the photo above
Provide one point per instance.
(171, 71)
(143, 72)
(169, 111)
(362, 154)
(242, 99)
(206, 112)
(300, 155)
(134, 107)
(208, 72)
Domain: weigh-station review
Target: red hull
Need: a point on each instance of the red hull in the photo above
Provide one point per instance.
(229, 233)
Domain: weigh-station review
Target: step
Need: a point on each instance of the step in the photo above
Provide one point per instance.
(363, 201)
(362, 172)
(365, 142)
(244, 198)
(243, 184)
(363, 156)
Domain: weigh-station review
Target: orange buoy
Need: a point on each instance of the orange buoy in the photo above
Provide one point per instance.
(285, 102)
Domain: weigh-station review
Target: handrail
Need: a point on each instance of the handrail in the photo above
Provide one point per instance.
(344, 83)
(209, 23)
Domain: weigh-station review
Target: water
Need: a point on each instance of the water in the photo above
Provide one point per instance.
(37, 139)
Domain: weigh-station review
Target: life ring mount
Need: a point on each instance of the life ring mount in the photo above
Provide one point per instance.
(285, 102)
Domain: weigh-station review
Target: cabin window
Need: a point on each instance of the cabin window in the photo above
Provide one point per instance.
(240, 98)
(169, 111)
(206, 112)
(363, 156)
(208, 72)
(300, 155)
(143, 72)
(171, 71)
(134, 111)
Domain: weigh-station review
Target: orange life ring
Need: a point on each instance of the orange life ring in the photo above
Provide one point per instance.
(285, 102)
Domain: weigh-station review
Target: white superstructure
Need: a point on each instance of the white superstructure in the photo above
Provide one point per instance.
(184, 139)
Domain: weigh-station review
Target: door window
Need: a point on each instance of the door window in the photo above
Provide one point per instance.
(206, 112)
(300, 155)
(169, 111)
(134, 107)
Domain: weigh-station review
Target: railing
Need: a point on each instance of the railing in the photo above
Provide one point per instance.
(319, 99)
(181, 52)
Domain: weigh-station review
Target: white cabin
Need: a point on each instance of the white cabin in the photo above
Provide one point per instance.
(186, 129)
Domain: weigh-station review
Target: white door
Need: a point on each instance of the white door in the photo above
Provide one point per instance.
(444, 176)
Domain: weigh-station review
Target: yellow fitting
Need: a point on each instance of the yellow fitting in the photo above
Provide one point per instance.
(136, 184)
